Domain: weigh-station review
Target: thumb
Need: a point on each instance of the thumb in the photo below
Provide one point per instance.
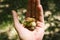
(15, 18)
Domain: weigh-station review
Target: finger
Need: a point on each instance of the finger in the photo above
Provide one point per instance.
(38, 10)
(15, 18)
(39, 14)
(37, 2)
(28, 8)
(33, 8)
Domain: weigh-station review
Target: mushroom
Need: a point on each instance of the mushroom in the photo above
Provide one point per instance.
(30, 23)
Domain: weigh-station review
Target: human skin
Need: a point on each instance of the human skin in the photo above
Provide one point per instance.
(38, 32)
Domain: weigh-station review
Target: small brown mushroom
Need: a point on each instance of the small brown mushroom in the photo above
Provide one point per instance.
(30, 23)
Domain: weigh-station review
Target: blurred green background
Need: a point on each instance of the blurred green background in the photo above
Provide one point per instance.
(51, 15)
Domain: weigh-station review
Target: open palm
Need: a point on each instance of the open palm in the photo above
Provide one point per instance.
(37, 13)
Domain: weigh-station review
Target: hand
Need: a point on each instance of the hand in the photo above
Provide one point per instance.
(37, 13)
